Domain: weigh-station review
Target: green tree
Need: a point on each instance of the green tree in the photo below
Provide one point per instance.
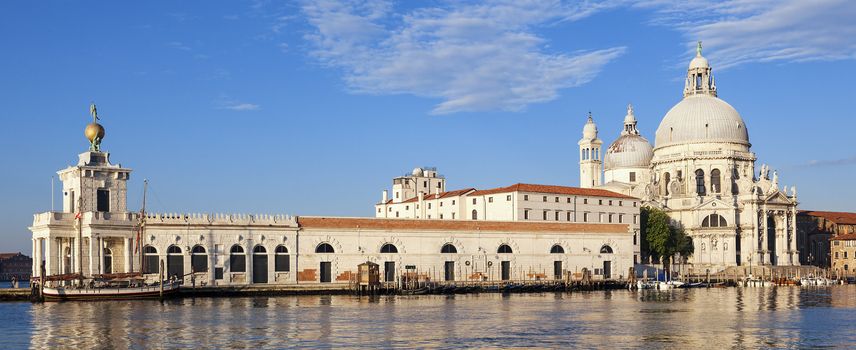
(663, 239)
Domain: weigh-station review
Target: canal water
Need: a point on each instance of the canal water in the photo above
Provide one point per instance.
(780, 317)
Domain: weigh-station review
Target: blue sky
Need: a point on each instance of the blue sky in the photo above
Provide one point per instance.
(310, 108)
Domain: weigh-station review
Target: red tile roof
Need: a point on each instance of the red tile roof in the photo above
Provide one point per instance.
(308, 222)
(552, 189)
(841, 218)
(847, 237)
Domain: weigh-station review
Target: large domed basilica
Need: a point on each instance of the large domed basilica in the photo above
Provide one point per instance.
(701, 171)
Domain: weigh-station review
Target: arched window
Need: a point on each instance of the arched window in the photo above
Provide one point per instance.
(388, 248)
(448, 248)
(108, 260)
(282, 261)
(324, 248)
(174, 261)
(259, 249)
(151, 260)
(237, 259)
(606, 249)
(666, 178)
(699, 178)
(475, 215)
(557, 249)
(198, 259)
(504, 249)
(715, 181)
(714, 220)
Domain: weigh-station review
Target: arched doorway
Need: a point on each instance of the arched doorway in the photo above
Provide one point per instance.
(389, 265)
(557, 263)
(260, 264)
(449, 264)
(199, 259)
(326, 267)
(108, 260)
(505, 264)
(66, 262)
(174, 262)
(151, 260)
(607, 264)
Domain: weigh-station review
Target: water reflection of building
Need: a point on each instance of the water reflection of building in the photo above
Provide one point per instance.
(96, 233)
(816, 228)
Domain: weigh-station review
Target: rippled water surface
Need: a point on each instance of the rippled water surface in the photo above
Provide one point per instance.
(780, 317)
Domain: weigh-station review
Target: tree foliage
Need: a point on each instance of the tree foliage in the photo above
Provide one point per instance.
(661, 238)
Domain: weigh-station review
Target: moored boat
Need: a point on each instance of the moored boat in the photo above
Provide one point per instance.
(110, 292)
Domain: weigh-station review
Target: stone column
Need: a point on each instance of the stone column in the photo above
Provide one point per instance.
(75, 255)
(100, 254)
(212, 259)
(49, 255)
(91, 255)
(128, 252)
(764, 233)
(60, 252)
(795, 258)
(35, 259)
(249, 258)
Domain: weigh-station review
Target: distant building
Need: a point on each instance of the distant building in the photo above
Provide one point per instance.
(844, 254)
(816, 230)
(15, 265)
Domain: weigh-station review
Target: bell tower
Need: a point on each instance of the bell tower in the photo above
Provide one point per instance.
(591, 165)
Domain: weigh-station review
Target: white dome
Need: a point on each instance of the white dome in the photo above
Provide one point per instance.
(590, 129)
(701, 118)
(417, 172)
(628, 151)
(699, 62)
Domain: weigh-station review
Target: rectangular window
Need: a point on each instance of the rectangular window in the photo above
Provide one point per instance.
(441, 216)
(545, 198)
(600, 202)
(490, 199)
(103, 199)
(610, 202)
(620, 203)
(218, 273)
(526, 214)
(585, 200)
(557, 199)
(282, 262)
(441, 204)
(634, 204)
(544, 217)
(569, 216)
(396, 214)
(585, 217)
(389, 271)
(238, 263)
(557, 216)
(429, 205)
(569, 199)
(453, 216)
(406, 207)
(620, 218)
(610, 218)
(525, 197)
(508, 198)
(390, 209)
(378, 210)
(474, 201)
(424, 183)
(453, 202)
(632, 176)
(635, 218)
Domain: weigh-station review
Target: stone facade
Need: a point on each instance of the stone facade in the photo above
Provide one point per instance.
(843, 254)
(702, 173)
(96, 234)
(815, 229)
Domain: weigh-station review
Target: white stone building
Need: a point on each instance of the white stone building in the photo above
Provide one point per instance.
(518, 202)
(97, 234)
(701, 171)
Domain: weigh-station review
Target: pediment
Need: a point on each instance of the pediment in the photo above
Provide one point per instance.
(777, 198)
(713, 204)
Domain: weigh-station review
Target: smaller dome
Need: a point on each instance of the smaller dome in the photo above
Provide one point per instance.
(628, 151)
(417, 172)
(699, 62)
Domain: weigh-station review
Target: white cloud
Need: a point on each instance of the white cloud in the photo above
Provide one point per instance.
(743, 31)
(242, 107)
(473, 57)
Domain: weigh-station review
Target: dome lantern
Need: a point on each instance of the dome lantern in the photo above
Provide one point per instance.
(699, 76)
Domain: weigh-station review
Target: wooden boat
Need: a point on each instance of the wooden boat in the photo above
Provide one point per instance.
(110, 292)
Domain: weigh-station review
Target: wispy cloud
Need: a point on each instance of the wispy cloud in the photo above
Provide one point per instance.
(474, 57)
(226, 102)
(243, 107)
(178, 45)
(834, 162)
(743, 31)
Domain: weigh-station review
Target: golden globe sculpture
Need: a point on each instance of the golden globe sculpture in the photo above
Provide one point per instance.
(94, 132)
